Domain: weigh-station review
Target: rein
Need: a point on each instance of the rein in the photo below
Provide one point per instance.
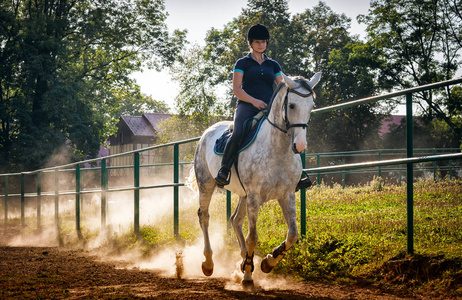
(286, 100)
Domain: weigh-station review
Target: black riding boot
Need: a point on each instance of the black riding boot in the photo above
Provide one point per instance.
(304, 183)
(223, 176)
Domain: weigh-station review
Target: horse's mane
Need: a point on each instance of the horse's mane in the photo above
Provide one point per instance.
(299, 79)
(276, 91)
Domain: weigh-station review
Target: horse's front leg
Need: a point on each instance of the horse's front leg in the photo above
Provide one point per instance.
(247, 265)
(237, 220)
(206, 187)
(288, 209)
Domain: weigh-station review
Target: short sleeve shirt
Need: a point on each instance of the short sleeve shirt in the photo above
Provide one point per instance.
(258, 79)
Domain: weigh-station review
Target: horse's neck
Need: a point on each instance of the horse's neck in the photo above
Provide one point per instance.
(276, 113)
(278, 140)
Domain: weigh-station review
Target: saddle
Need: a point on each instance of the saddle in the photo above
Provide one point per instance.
(251, 129)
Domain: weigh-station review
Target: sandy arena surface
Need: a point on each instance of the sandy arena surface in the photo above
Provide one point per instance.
(60, 273)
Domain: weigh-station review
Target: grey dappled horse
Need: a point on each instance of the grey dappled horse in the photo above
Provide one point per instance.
(268, 169)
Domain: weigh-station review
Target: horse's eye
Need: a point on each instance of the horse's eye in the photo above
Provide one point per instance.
(291, 106)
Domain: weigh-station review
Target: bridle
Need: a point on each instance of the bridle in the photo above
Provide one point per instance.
(285, 117)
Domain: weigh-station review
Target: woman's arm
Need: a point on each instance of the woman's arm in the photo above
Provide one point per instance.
(242, 95)
(278, 79)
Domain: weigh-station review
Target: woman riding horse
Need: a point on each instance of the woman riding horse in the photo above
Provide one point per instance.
(253, 80)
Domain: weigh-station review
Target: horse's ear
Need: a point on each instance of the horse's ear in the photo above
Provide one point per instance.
(290, 83)
(315, 80)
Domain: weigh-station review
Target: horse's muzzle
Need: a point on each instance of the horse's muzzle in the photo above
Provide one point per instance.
(299, 140)
(294, 148)
(298, 149)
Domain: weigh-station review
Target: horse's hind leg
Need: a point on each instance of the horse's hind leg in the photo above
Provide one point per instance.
(206, 188)
(288, 209)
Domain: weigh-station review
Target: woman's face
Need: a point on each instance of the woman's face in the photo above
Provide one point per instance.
(258, 45)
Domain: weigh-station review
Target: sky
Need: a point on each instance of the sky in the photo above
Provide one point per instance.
(198, 16)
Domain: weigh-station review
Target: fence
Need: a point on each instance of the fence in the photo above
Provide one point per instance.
(104, 189)
(390, 174)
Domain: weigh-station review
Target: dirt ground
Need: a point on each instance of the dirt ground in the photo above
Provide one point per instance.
(60, 273)
(30, 272)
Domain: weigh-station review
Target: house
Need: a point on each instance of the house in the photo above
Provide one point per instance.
(133, 133)
(387, 122)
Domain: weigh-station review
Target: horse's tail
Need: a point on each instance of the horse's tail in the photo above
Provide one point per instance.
(191, 181)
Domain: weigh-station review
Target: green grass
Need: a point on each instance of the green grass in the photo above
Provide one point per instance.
(352, 231)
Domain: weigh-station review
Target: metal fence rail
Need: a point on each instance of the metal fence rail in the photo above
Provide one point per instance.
(75, 168)
(379, 155)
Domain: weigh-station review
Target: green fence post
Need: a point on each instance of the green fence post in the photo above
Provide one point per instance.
(104, 186)
(434, 166)
(6, 203)
(318, 164)
(77, 201)
(39, 201)
(400, 174)
(57, 200)
(343, 172)
(136, 181)
(410, 176)
(23, 217)
(380, 168)
(303, 201)
(228, 210)
(176, 155)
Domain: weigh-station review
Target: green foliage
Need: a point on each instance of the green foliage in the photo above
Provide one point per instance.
(135, 104)
(420, 43)
(195, 76)
(65, 69)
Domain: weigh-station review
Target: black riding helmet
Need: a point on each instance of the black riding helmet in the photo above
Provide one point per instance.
(258, 32)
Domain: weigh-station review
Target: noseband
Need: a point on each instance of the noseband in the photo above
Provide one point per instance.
(286, 101)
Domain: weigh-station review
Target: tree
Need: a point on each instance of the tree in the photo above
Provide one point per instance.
(318, 32)
(348, 72)
(135, 103)
(197, 81)
(349, 75)
(420, 42)
(64, 66)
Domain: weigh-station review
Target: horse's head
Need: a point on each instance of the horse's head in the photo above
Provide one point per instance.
(295, 104)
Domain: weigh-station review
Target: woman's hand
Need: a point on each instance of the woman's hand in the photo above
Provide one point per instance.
(259, 104)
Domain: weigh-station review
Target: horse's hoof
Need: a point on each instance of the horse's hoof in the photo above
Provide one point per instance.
(265, 267)
(247, 284)
(207, 271)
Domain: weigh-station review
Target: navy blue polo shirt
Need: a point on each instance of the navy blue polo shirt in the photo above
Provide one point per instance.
(258, 79)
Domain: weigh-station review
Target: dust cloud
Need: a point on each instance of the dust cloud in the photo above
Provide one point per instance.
(180, 260)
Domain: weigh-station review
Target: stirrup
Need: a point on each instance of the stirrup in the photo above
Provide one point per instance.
(304, 183)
